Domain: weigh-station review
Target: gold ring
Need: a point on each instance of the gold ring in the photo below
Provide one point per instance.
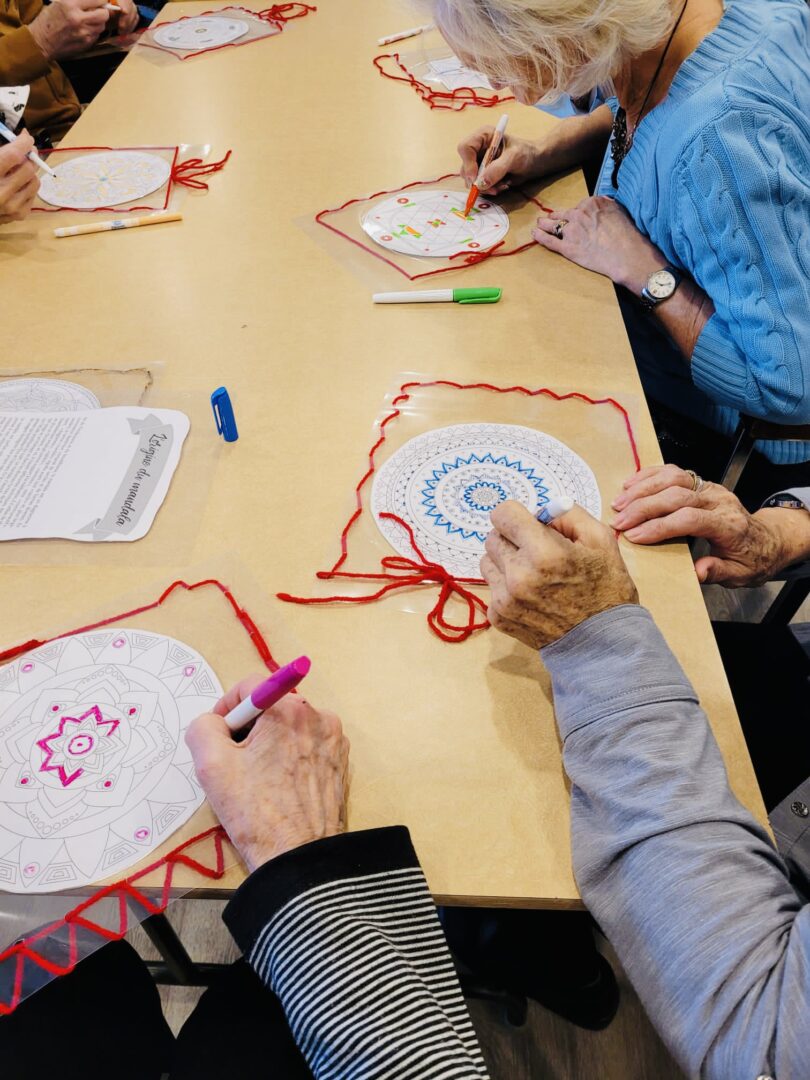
(559, 227)
(697, 481)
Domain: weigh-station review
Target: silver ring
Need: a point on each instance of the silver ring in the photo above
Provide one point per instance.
(697, 481)
(559, 227)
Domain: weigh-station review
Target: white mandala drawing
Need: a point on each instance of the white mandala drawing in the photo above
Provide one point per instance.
(109, 178)
(200, 32)
(446, 483)
(45, 395)
(432, 224)
(94, 769)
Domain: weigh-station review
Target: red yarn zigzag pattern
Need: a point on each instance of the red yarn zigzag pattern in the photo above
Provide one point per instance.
(211, 842)
(412, 573)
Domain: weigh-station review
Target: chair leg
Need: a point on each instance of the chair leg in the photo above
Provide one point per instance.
(179, 966)
(788, 601)
(743, 448)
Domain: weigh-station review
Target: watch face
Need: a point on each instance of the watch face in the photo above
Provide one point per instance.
(661, 284)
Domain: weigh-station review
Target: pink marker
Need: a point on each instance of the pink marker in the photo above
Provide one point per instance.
(268, 693)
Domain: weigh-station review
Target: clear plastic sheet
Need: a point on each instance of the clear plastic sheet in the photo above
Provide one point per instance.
(437, 76)
(587, 420)
(226, 619)
(174, 530)
(182, 161)
(209, 31)
(339, 229)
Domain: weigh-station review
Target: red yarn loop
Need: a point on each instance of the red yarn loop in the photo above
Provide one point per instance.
(188, 172)
(405, 573)
(455, 100)
(281, 13)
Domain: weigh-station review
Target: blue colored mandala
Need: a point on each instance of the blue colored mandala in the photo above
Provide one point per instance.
(459, 495)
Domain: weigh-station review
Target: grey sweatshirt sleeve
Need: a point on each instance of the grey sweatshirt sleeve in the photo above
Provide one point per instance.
(684, 882)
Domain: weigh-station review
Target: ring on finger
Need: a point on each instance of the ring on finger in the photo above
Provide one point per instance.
(697, 481)
(559, 228)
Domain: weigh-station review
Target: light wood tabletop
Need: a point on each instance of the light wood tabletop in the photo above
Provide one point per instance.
(456, 741)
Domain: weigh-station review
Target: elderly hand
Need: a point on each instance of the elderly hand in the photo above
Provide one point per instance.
(129, 17)
(519, 161)
(746, 549)
(68, 27)
(599, 235)
(284, 785)
(19, 182)
(545, 580)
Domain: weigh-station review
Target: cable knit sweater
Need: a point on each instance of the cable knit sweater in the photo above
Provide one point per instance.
(719, 179)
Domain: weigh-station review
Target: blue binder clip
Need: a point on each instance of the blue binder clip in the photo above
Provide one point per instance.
(223, 415)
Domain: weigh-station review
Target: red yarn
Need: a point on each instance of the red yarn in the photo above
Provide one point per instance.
(126, 894)
(188, 172)
(413, 574)
(426, 571)
(22, 951)
(470, 258)
(281, 13)
(455, 100)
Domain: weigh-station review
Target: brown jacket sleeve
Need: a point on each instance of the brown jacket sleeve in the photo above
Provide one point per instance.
(52, 105)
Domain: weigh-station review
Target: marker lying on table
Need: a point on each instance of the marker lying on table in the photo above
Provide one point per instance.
(268, 693)
(438, 296)
(555, 508)
(115, 225)
(489, 156)
(405, 34)
(9, 136)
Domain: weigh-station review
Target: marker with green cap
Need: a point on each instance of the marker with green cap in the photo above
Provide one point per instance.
(440, 296)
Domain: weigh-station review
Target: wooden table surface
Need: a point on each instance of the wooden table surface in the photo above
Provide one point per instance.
(456, 741)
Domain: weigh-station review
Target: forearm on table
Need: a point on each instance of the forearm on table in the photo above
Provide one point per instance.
(21, 60)
(573, 141)
(681, 878)
(684, 314)
(344, 931)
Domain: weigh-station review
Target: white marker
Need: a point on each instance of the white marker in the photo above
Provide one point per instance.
(555, 508)
(406, 34)
(8, 134)
(440, 296)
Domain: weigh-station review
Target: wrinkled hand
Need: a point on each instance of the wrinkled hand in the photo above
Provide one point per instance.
(284, 785)
(599, 235)
(129, 17)
(659, 504)
(68, 27)
(547, 579)
(517, 162)
(19, 182)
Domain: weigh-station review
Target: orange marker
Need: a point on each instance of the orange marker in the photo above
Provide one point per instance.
(489, 156)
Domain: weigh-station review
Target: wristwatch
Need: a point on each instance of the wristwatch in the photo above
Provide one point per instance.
(660, 286)
(783, 500)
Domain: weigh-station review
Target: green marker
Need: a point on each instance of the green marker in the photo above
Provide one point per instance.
(440, 296)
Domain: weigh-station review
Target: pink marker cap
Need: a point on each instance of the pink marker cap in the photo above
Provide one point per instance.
(284, 680)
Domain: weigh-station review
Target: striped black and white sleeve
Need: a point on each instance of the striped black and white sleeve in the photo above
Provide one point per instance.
(345, 932)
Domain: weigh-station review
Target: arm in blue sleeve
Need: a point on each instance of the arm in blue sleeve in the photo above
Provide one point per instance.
(682, 879)
(741, 192)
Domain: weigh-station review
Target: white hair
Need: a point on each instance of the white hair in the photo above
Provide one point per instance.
(565, 46)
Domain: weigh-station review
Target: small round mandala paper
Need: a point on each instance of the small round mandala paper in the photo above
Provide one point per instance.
(432, 224)
(446, 483)
(199, 32)
(94, 769)
(45, 395)
(108, 179)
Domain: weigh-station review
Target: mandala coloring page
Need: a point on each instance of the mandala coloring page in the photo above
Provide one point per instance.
(111, 178)
(432, 223)
(203, 32)
(45, 395)
(94, 769)
(446, 483)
